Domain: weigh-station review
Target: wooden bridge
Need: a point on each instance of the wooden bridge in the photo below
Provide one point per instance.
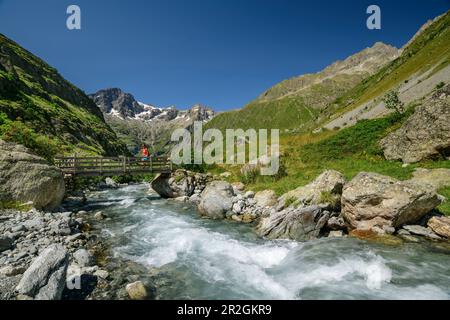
(112, 166)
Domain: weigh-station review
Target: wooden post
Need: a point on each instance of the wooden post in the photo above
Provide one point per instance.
(74, 163)
(151, 164)
(101, 166)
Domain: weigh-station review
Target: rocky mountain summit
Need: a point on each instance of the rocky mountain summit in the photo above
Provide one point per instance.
(352, 69)
(123, 105)
(137, 122)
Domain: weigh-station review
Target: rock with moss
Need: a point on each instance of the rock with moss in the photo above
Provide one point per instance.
(25, 177)
(325, 189)
(372, 200)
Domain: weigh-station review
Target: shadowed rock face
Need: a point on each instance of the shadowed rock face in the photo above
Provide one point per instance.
(372, 200)
(25, 177)
(181, 183)
(425, 135)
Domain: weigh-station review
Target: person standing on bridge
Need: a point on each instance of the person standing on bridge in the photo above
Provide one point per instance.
(145, 153)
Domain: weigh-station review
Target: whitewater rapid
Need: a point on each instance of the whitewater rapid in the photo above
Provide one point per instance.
(226, 260)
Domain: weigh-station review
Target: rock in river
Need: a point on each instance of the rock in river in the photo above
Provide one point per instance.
(137, 291)
(296, 224)
(217, 200)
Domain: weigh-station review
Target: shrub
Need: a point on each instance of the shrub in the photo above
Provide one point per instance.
(392, 102)
(440, 85)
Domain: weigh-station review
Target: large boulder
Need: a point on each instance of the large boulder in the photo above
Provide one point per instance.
(25, 177)
(425, 135)
(327, 188)
(440, 225)
(373, 200)
(295, 224)
(216, 200)
(45, 279)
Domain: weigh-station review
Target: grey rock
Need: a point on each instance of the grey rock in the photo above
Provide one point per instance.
(99, 215)
(296, 224)
(83, 258)
(111, 183)
(217, 200)
(34, 224)
(425, 135)
(371, 199)
(102, 274)
(179, 184)
(326, 188)
(336, 223)
(45, 278)
(421, 231)
(11, 271)
(249, 195)
(6, 243)
(18, 228)
(25, 177)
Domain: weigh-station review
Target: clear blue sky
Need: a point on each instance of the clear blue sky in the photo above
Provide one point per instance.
(222, 53)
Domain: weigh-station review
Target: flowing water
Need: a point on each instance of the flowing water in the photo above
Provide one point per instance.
(225, 260)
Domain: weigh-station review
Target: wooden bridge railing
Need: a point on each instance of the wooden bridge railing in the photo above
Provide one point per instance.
(112, 166)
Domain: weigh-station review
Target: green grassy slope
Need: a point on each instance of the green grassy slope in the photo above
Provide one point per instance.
(429, 51)
(40, 109)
